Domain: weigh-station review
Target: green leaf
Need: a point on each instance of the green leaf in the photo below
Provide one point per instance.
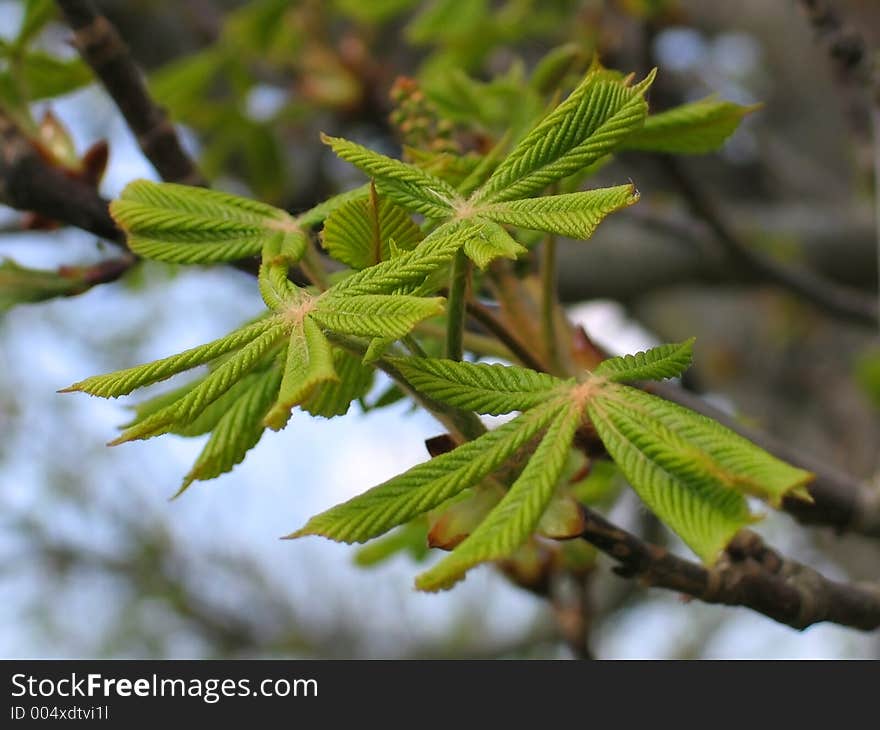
(123, 382)
(492, 242)
(20, 284)
(37, 14)
(376, 315)
(237, 431)
(220, 380)
(280, 252)
(598, 115)
(690, 129)
(574, 214)
(409, 538)
(665, 361)
(182, 84)
(309, 363)
(515, 518)
(413, 188)
(480, 387)
(374, 12)
(427, 485)
(691, 471)
(317, 215)
(412, 267)
(44, 76)
(359, 232)
(334, 399)
(187, 225)
(148, 407)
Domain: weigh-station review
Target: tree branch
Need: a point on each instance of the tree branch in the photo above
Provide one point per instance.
(103, 49)
(28, 182)
(832, 298)
(750, 574)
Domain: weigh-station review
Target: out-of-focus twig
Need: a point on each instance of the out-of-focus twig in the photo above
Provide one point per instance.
(103, 49)
(833, 298)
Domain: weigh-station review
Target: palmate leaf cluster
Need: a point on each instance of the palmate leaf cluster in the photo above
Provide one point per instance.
(315, 347)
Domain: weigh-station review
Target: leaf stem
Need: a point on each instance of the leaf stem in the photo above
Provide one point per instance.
(313, 268)
(414, 347)
(495, 326)
(549, 300)
(456, 306)
(463, 425)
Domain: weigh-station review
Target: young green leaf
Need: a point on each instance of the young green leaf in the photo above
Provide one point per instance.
(123, 382)
(511, 522)
(572, 214)
(427, 485)
(238, 430)
(331, 399)
(487, 389)
(409, 186)
(598, 115)
(665, 361)
(691, 471)
(309, 363)
(20, 284)
(360, 233)
(318, 214)
(220, 380)
(695, 129)
(376, 315)
(492, 242)
(411, 268)
(280, 252)
(187, 225)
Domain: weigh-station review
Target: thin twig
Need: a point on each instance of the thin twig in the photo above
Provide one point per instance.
(103, 49)
(493, 325)
(835, 299)
(750, 574)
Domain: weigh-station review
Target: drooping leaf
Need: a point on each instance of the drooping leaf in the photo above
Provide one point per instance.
(480, 387)
(21, 284)
(376, 315)
(238, 430)
(188, 225)
(598, 115)
(331, 399)
(409, 186)
(123, 382)
(44, 76)
(427, 485)
(572, 214)
(360, 233)
(37, 13)
(691, 471)
(492, 242)
(309, 363)
(409, 538)
(665, 361)
(208, 390)
(690, 129)
(514, 519)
